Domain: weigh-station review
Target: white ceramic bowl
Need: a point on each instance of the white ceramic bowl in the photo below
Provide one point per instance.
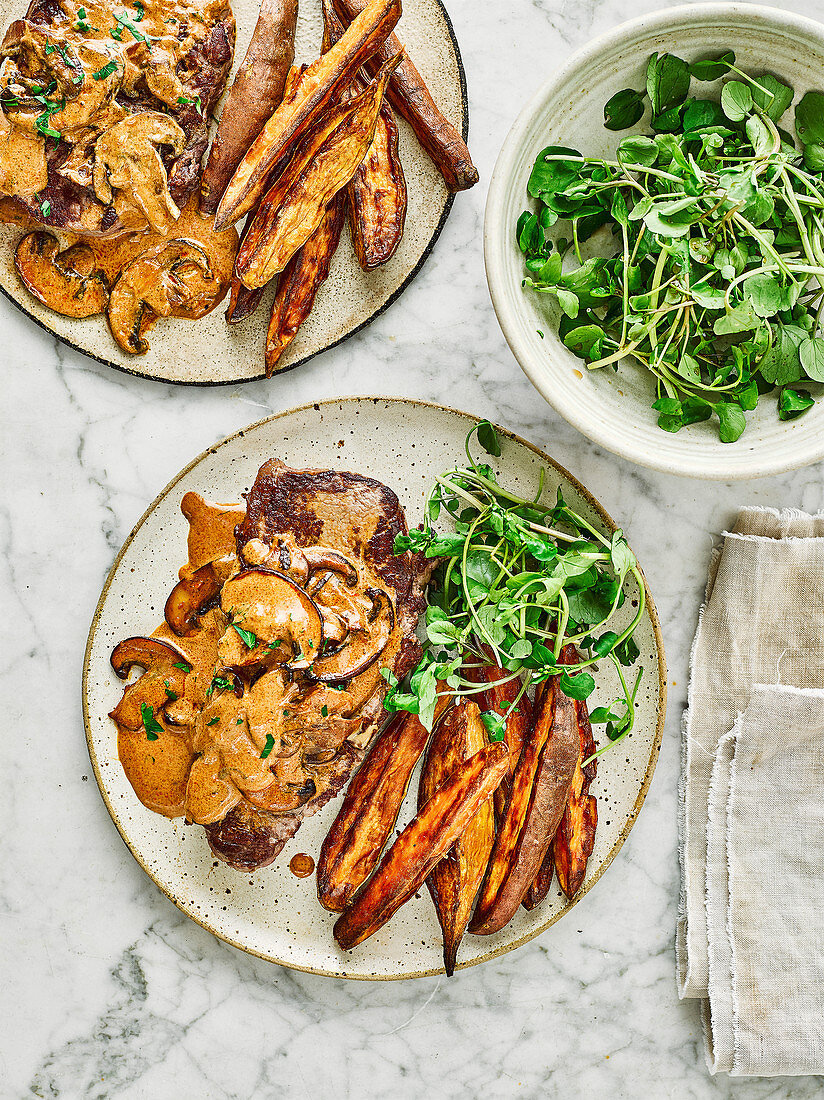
(614, 408)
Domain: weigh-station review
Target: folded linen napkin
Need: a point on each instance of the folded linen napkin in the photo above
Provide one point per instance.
(751, 923)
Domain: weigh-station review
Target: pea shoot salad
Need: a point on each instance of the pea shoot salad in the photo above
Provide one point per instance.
(714, 278)
(520, 579)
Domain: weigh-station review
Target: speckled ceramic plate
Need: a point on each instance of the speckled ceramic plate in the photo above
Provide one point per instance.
(209, 351)
(272, 914)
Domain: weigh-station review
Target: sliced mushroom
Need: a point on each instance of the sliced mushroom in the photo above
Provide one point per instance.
(68, 282)
(125, 159)
(171, 279)
(283, 797)
(283, 618)
(189, 598)
(162, 681)
(362, 648)
(321, 557)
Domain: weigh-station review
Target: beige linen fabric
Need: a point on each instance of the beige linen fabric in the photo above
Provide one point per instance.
(763, 623)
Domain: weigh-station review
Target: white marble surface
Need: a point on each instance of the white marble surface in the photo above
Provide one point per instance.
(107, 990)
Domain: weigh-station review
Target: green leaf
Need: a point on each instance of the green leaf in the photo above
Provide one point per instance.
(638, 150)
(495, 725)
(736, 100)
(792, 403)
(150, 723)
(588, 606)
(774, 99)
(550, 176)
(668, 82)
(809, 119)
(811, 353)
(759, 136)
(782, 364)
(580, 686)
(712, 68)
(488, 439)
(627, 651)
(530, 234)
(740, 319)
(764, 293)
(268, 746)
(814, 158)
(569, 302)
(732, 422)
(246, 636)
(581, 340)
(623, 109)
(655, 223)
(184, 666)
(701, 113)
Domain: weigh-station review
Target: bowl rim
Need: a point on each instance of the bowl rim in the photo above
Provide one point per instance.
(704, 464)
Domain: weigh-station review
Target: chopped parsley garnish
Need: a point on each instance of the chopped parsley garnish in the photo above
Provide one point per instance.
(183, 666)
(140, 11)
(274, 645)
(267, 748)
(49, 50)
(213, 721)
(187, 102)
(45, 206)
(239, 722)
(221, 683)
(324, 710)
(123, 21)
(150, 723)
(246, 636)
(172, 695)
(107, 70)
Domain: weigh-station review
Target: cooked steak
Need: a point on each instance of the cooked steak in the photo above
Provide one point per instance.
(105, 109)
(290, 514)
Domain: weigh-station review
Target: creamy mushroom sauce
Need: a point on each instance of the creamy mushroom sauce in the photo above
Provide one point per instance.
(103, 49)
(250, 720)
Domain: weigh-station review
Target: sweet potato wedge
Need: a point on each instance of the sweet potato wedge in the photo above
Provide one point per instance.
(539, 888)
(253, 98)
(292, 209)
(377, 191)
(411, 98)
(498, 697)
(370, 808)
(454, 881)
(300, 281)
(540, 788)
(316, 90)
(575, 837)
(422, 844)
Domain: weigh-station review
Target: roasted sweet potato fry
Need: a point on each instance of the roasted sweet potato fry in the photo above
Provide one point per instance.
(498, 697)
(542, 881)
(377, 191)
(292, 209)
(253, 98)
(575, 837)
(370, 809)
(300, 281)
(410, 97)
(318, 88)
(422, 844)
(454, 882)
(540, 788)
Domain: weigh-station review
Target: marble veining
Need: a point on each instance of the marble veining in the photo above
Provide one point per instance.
(107, 991)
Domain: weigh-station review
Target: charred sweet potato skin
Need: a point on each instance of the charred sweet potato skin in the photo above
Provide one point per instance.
(294, 206)
(369, 811)
(422, 844)
(540, 788)
(316, 88)
(575, 838)
(498, 697)
(254, 96)
(411, 98)
(377, 191)
(454, 882)
(300, 281)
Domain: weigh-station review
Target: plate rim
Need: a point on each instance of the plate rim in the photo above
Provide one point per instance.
(701, 464)
(661, 709)
(393, 297)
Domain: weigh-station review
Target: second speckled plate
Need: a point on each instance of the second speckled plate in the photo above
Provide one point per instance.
(272, 914)
(209, 351)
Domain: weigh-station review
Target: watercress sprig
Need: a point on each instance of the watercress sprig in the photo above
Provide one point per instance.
(520, 580)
